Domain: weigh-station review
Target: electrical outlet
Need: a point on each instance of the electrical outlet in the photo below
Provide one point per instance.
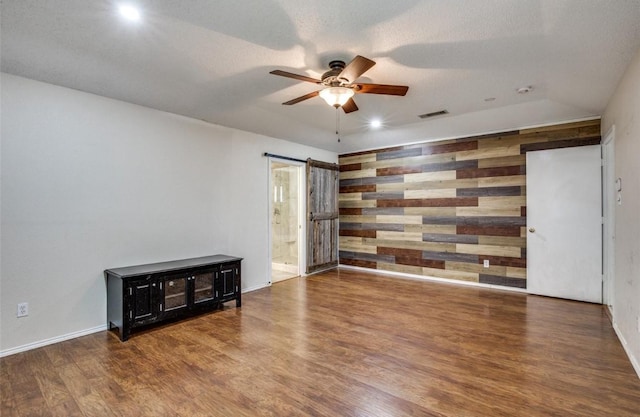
(23, 310)
(486, 263)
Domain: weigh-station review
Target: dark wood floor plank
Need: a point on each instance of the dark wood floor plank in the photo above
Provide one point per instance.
(344, 343)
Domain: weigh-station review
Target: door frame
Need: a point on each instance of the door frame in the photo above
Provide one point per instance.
(608, 219)
(302, 203)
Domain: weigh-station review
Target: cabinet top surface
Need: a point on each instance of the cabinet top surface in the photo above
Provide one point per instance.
(170, 266)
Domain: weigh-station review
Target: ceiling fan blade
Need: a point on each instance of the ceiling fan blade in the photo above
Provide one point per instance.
(392, 90)
(349, 106)
(295, 76)
(301, 98)
(354, 69)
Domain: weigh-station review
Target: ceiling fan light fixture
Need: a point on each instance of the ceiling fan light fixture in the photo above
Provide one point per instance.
(336, 96)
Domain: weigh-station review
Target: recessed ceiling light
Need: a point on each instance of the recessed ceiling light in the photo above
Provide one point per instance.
(129, 12)
(375, 123)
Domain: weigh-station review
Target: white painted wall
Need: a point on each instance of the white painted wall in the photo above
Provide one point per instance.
(623, 111)
(89, 183)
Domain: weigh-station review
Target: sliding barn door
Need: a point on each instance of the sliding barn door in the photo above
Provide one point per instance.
(322, 211)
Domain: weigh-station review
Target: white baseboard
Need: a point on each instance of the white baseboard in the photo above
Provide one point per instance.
(625, 346)
(257, 287)
(50, 341)
(73, 335)
(435, 279)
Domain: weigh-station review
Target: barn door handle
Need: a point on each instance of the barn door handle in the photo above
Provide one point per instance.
(532, 229)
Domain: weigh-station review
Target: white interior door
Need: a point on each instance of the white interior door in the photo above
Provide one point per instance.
(609, 193)
(564, 223)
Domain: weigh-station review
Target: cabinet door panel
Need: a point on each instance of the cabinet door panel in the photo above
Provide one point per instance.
(228, 280)
(142, 304)
(175, 293)
(204, 286)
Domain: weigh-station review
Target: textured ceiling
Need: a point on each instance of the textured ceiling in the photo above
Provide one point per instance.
(211, 60)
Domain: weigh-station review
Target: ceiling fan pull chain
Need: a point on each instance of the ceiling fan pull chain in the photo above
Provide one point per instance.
(338, 123)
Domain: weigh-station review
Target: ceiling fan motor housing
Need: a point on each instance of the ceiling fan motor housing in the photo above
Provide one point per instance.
(330, 78)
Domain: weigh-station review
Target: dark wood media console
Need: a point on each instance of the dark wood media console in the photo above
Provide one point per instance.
(143, 295)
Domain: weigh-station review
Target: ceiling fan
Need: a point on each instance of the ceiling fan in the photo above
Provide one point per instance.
(340, 84)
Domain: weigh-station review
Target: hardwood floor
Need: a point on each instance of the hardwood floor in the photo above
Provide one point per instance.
(342, 343)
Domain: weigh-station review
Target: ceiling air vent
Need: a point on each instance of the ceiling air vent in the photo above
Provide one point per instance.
(433, 114)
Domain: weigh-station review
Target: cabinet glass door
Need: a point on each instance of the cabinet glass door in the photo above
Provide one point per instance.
(175, 293)
(203, 283)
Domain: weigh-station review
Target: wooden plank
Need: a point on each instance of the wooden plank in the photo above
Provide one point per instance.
(489, 172)
(430, 211)
(414, 253)
(358, 219)
(489, 191)
(431, 176)
(505, 261)
(353, 211)
(412, 244)
(350, 167)
(509, 141)
(357, 188)
(514, 180)
(357, 248)
(513, 231)
(359, 263)
(427, 185)
(362, 173)
(502, 161)
(457, 275)
(484, 211)
(502, 202)
(359, 233)
(430, 228)
(400, 170)
(437, 193)
(357, 203)
(514, 272)
(433, 148)
(399, 153)
(506, 251)
(349, 196)
(399, 219)
(410, 161)
(480, 154)
(406, 236)
(357, 159)
(430, 202)
(503, 241)
(476, 268)
(504, 281)
(406, 269)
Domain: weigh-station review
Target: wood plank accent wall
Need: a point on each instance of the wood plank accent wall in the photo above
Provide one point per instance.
(440, 209)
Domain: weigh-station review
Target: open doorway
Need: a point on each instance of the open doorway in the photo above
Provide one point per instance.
(285, 206)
